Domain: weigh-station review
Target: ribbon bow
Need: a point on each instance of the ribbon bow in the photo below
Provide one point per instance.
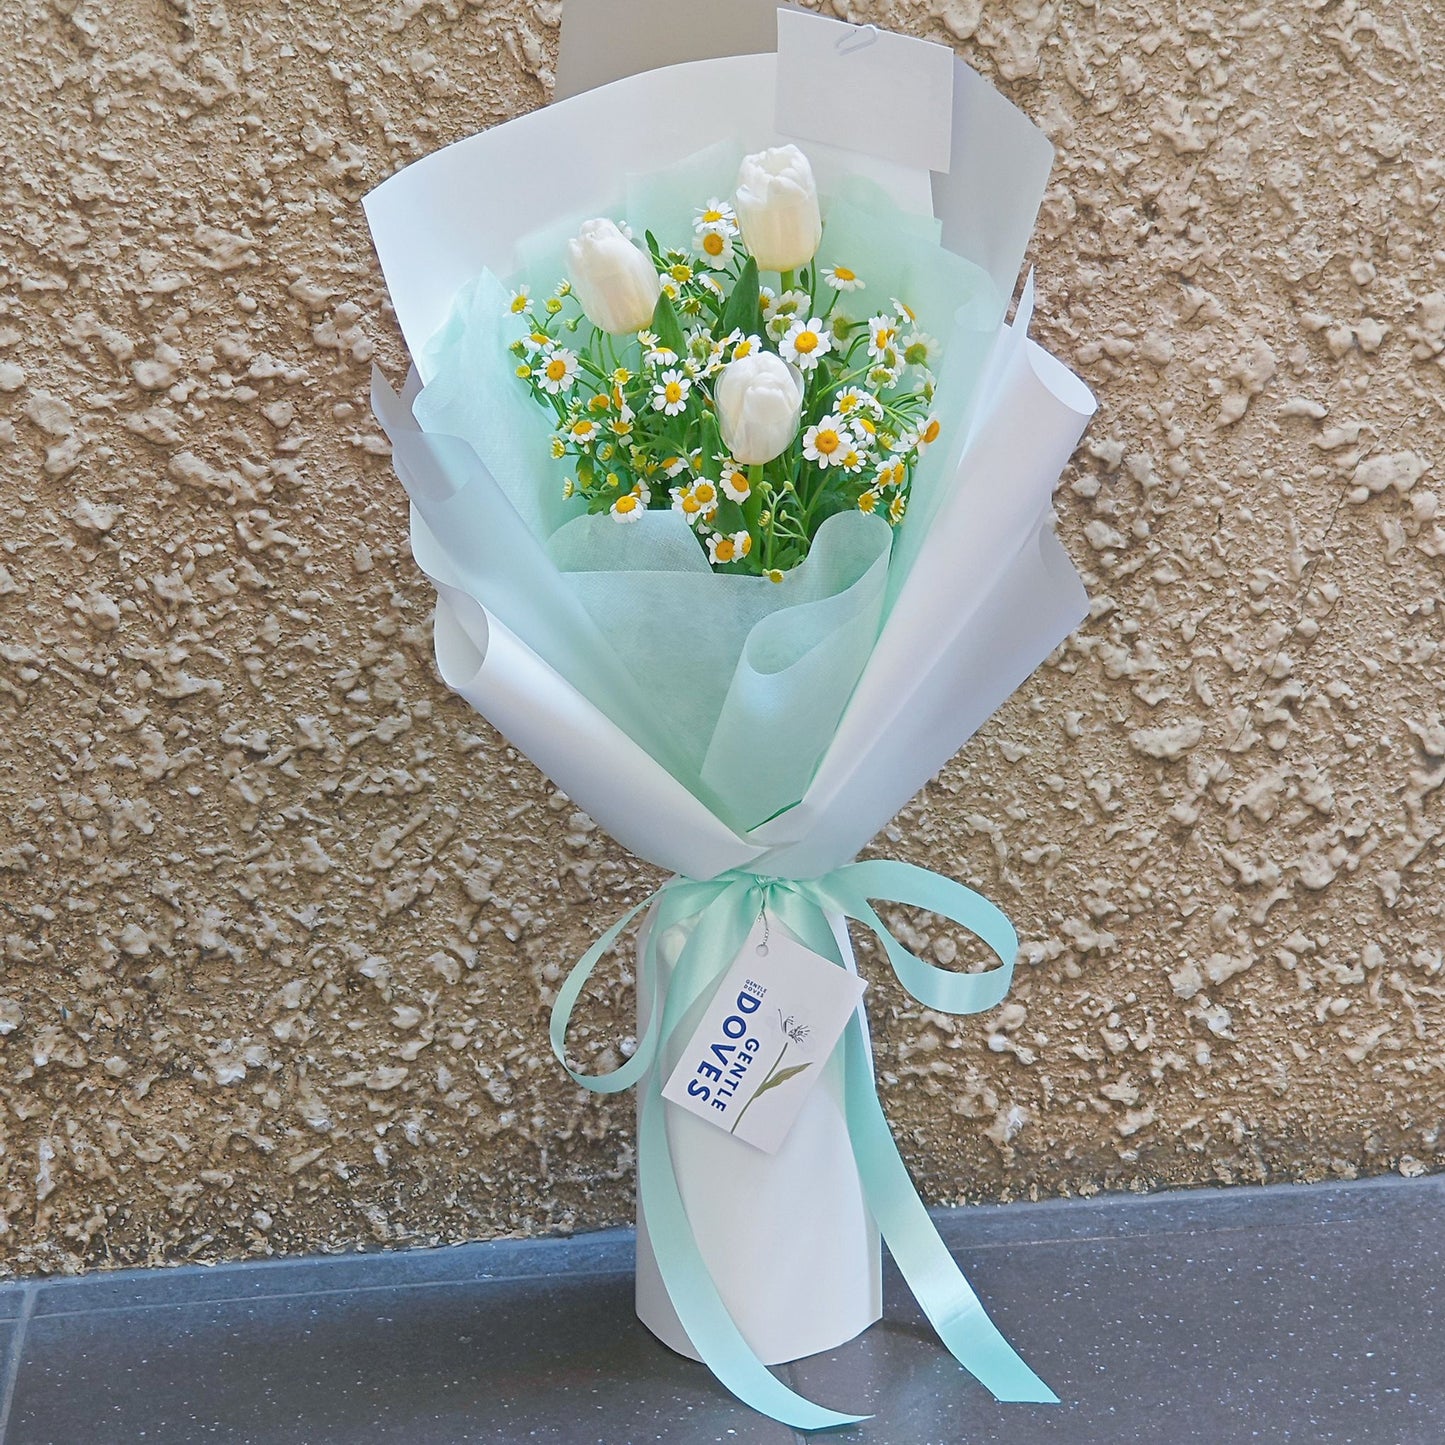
(725, 909)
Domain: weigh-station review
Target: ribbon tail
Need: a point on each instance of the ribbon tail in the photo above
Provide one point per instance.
(694, 1296)
(938, 1285)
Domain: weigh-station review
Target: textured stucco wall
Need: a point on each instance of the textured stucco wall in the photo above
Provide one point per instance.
(282, 920)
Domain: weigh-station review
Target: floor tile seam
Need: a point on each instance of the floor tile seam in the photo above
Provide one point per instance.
(13, 1358)
(111, 1309)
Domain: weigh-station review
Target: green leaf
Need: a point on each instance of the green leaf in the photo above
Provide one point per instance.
(744, 309)
(782, 1077)
(667, 326)
(652, 245)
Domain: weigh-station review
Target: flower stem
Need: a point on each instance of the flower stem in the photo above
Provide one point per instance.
(776, 1063)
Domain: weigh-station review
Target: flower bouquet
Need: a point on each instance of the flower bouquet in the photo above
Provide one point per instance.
(734, 487)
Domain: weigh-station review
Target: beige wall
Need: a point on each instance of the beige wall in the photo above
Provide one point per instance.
(283, 919)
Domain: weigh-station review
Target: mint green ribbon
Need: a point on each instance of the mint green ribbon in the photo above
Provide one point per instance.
(725, 909)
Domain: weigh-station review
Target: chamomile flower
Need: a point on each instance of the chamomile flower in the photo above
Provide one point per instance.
(891, 474)
(733, 548)
(669, 396)
(659, 355)
(521, 300)
(686, 503)
(582, 431)
(774, 574)
(744, 346)
(882, 336)
(827, 443)
(851, 460)
(790, 303)
(557, 370)
(920, 349)
(885, 374)
(674, 467)
(628, 508)
(681, 272)
(535, 341)
(928, 434)
(734, 482)
(715, 248)
(711, 287)
(559, 448)
(868, 502)
(706, 495)
(805, 343)
(716, 216)
(904, 312)
(840, 278)
(897, 507)
(569, 490)
(767, 300)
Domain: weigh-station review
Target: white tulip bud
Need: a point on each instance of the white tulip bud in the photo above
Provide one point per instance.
(777, 206)
(759, 399)
(613, 280)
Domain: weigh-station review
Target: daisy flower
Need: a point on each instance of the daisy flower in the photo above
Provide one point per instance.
(628, 508)
(724, 549)
(840, 278)
(709, 285)
(745, 346)
(928, 434)
(716, 216)
(868, 502)
(557, 371)
(851, 459)
(669, 396)
(659, 355)
(674, 467)
(521, 300)
(734, 482)
(706, 495)
(767, 300)
(535, 341)
(904, 312)
(920, 349)
(805, 343)
(685, 501)
(827, 443)
(891, 474)
(715, 248)
(897, 507)
(774, 574)
(582, 431)
(882, 336)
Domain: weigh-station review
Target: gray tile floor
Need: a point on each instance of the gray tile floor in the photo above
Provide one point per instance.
(1309, 1314)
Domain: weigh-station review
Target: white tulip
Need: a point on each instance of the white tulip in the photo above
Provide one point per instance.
(613, 280)
(777, 207)
(759, 399)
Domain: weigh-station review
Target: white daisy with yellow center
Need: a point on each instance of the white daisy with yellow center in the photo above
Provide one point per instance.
(928, 434)
(904, 312)
(628, 508)
(536, 341)
(582, 431)
(891, 474)
(734, 482)
(556, 370)
(715, 248)
(897, 507)
(669, 395)
(746, 346)
(920, 349)
(829, 442)
(805, 343)
(732, 548)
(659, 355)
(840, 278)
(882, 336)
(868, 502)
(521, 300)
(716, 216)
(705, 494)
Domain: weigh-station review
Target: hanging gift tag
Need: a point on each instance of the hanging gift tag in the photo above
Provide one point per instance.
(761, 1046)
